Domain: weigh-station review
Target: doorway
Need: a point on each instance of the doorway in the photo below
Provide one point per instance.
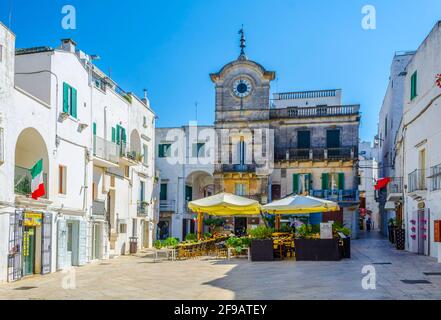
(240, 226)
(333, 142)
(96, 247)
(29, 234)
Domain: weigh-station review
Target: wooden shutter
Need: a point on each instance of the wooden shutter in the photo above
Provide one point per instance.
(325, 181)
(94, 128)
(61, 244)
(73, 111)
(341, 181)
(295, 183)
(65, 97)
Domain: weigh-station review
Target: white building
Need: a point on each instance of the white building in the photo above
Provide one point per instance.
(419, 147)
(389, 121)
(186, 171)
(96, 143)
(368, 171)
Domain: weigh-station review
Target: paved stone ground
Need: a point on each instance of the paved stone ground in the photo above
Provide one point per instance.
(140, 278)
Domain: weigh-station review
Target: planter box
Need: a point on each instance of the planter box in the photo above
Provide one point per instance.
(317, 250)
(399, 238)
(262, 250)
(346, 250)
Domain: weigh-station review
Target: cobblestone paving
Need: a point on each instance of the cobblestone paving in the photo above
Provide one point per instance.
(140, 278)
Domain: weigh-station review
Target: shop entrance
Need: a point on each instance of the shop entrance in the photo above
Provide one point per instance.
(29, 234)
(240, 226)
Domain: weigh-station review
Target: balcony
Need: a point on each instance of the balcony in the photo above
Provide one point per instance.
(314, 112)
(341, 196)
(106, 153)
(417, 180)
(142, 209)
(99, 208)
(243, 168)
(395, 189)
(435, 176)
(23, 180)
(316, 154)
(167, 206)
(129, 157)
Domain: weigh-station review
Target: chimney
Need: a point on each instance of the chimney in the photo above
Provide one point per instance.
(68, 45)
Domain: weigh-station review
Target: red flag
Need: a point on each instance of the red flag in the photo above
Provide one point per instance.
(382, 183)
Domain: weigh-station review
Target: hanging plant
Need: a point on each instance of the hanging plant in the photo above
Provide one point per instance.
(438, 80)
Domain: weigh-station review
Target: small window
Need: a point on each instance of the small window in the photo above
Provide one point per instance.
(164, 150)
(145, 155)
(414, 86)
(144, 122)
(122, 228)
(163, 192)
(62, 178)
(198, 150)
(240, 189)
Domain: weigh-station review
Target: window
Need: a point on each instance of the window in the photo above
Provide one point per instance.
(413, 86)
(240, 189)
(122, 228)
(385, 127)
(242, 151)
(164, 150)
(303, 139)
(144, 122)
(302, 183)
(145, 156)
(163, 192)
(333, 181)
(69, 100)
(94, 191)
(198, 150)
(1, 53)
(121, 136)
(333, 139)
(62, 177)
(141, 191)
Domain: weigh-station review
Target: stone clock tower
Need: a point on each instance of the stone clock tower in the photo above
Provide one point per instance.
(241, 122)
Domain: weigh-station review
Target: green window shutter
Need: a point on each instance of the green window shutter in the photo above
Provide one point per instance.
(123, 135)
(341, 181)
(65, 97)
(113, 134)
(94, 128)
(118, 133)
(161, 151)
(413, 85)
(73, 111)
(295, 183)
(163, 192)
(325, 181)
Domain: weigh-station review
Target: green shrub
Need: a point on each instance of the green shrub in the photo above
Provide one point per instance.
(261, 232)
(238, 244)
(207, 235)
(171, 242)
(157, 244)
(191, 237)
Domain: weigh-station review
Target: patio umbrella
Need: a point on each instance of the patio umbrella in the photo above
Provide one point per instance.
(297, 204)
(223, 204)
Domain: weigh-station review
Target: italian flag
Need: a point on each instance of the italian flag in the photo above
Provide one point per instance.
(37, 185)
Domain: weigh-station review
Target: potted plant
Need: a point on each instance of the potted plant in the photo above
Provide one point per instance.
(238, 244)
(346, 249)
(261, 244)
(309, 246)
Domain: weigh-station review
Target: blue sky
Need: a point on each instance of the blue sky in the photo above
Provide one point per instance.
(170, 47)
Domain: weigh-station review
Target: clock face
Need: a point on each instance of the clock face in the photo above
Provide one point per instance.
(242, 88)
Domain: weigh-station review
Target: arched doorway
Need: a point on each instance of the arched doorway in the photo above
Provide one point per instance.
(135, 145)
(198, 185)
(29, 149)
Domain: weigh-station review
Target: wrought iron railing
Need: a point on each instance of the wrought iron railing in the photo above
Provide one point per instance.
(351, 195)
(167, 205)
(23, 181)
(239, 168)
(129, 153)
(435, 176)
(395, 185)
(417, 180)
(106, 150)
(142, 208)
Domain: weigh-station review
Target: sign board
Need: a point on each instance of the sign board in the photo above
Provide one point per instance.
(421, 205)
(326, 230)
(437, 231)
(32, 219)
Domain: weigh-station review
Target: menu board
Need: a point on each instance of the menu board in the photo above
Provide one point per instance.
(326, 230)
